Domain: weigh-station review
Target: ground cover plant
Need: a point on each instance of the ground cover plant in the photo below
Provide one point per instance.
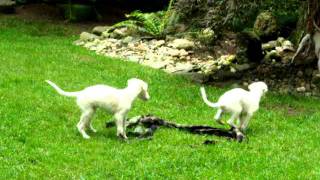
(39, 140)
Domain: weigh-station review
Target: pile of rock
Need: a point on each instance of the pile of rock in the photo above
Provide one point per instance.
(171, 55)
(183, 56)
(280, 50)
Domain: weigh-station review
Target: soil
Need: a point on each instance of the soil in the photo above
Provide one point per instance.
(51, 13)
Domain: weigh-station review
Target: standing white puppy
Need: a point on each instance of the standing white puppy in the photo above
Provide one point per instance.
(116, 101)
(239, 102)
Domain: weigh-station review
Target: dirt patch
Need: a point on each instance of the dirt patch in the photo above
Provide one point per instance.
(52, 14)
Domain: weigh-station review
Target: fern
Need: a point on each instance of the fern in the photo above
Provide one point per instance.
(153, 24)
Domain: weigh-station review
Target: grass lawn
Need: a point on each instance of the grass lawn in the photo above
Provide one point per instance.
(39, 140)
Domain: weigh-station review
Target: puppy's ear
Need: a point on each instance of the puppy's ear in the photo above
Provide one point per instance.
(250, 87)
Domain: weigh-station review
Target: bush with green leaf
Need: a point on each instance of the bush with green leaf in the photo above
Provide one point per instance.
(155, 24)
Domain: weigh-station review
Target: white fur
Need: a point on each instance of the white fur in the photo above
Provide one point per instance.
(116, 101)
(239, 102)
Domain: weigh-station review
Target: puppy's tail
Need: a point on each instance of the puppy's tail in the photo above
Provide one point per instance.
(60, 91)
(205, 99)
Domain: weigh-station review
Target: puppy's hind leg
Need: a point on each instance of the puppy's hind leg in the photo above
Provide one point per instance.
(84, 121)
(244, 121)
(217, 117)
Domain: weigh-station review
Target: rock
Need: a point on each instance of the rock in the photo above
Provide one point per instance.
(226, 59)
(272, 55)
(287, 46)
(209, 68)
(206, 36)
(286, 56)
(156, 64)
(135, 58)
(301, 89)
(173, 52)
(242, 67)
(195, 77)
(181, 68)
(79, 42)
(120, 33)
(182, 44)
(7, 6)
(85, 36)
(266, 25)
(98, 30)
(183, 52)
(300, 74)
(249, 48)
(280, 40)
(127, 40)
(142, 47)
(269, 45)
(159, 43)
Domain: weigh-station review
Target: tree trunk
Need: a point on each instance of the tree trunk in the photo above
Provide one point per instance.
(309, 46)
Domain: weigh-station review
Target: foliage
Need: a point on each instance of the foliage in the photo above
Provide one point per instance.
(156, 24)
(233, 14)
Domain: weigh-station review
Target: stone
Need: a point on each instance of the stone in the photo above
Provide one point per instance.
(226, 59)
(269, 45)
(173, 52)
(98, 30)
(142, 47)
(195, 77)
(79, 42)
(127, 40)
(272, 55)
(183, 52)
(242, 67)
(7, 6)
(182, 44)
(207, 36)
(287, 46)
(301, 89)
(156, 64)
(300, 74)
(181, 68)
(280, 40)
(120, 33)
(266, 25)
(159, 43)
(85, 36)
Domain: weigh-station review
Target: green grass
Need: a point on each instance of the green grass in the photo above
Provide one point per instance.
(38, 138)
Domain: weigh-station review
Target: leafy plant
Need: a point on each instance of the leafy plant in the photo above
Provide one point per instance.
(156, 24)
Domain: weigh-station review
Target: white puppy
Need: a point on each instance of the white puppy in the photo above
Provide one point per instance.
(116, 101)
(239, 102)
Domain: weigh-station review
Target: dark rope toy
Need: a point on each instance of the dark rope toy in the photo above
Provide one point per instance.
(152, 123)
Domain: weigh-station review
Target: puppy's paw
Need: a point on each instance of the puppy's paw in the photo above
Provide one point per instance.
(220, 122)
(93, 130)
(85, 136)
(122, 136)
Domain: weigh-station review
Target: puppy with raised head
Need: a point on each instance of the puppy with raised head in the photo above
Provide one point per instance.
(116, 101)
(239, 102)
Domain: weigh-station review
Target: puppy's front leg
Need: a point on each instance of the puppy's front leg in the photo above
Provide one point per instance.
(120, 123)
(245, 121)
(234, 116)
